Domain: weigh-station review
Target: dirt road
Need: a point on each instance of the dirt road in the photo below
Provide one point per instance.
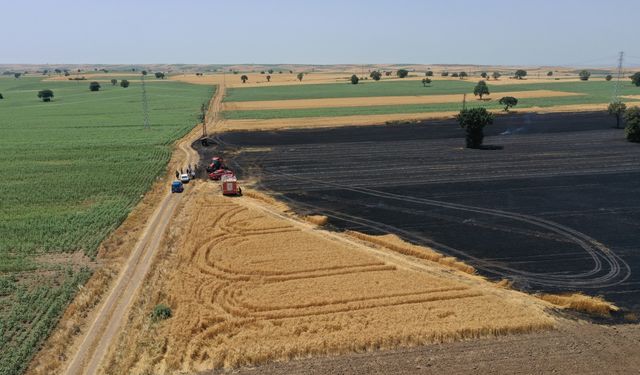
(104, 328)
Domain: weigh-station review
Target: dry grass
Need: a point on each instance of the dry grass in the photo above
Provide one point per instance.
(246, 287)
(319, 220)
(580, 302)
(366, 120)
(380, 100)
(395, 243)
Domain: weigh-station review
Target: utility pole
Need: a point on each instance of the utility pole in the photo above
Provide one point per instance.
(464, 101)
(203, 118)
(145, 104)
(616, 89)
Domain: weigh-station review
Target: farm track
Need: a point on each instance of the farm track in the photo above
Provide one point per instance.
(101, 332)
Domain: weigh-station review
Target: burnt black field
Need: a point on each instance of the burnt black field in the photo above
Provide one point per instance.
(555, 207)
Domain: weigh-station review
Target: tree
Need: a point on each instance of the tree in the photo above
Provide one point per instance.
(481, 89)
(508, 102)
(617, 109)
(45, 95)
(354, 79)
(635, 79)
(463, 75)
(426, 81)
(262, 72)
(584, 75)
(66, 73)
(124, 83)
(161, 312)
(268, 78)
(114, 82)
(549, 73)
(244, 78)
(632, 119)
(300, 76)
(94, 86)
(484, 75)
(609, 77)
(159, 75)
(428, 73)
(496, 75)
(17, 75)
(58, 71)
(444, 74)
(270, 71)
(520, 74)
(454, 75)
(375, 75)
(144, 72)
(473, 122)
(402, 73)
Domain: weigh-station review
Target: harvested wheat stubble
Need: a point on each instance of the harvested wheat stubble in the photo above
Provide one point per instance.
(246, 287)
(381, 100)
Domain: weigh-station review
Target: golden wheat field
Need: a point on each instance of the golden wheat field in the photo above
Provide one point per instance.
(247, 286)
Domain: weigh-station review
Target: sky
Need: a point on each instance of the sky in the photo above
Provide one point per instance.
(491, 32)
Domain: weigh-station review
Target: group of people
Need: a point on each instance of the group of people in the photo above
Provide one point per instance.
(191, 171)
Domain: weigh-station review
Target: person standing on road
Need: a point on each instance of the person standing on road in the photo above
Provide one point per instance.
(177, 174)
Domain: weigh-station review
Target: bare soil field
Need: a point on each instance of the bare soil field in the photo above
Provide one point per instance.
(380, 100)
(553, 208)
(574, 348)
(249, 285)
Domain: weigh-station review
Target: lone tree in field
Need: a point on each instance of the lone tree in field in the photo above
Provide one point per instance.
(144, 72)
(520, 74)
(617, 109)
(609, 77)
(300, 76)
(114, 82)
(463, 75)
(508, 102)
(454, 75)
(473, 122)
(159, 75)
(584, 75)
(375, 75)
(549, 73)
(268, 78)
(484, 75)
(444, 74)
(428, 73)
(124, 83)
(426, 81)
(45, 95)
(632, 119)
(244, 78)
(17, 75)
(402, 73)
(354, 79)
(94, 86)
(635, 79)
(496, 75)
(270, 71)
(481, 89)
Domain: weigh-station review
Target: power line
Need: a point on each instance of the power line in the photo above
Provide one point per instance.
(616, 88)
(145, 104)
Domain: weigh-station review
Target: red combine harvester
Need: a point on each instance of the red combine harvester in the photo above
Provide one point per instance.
(216, 164)
(230, 186)
(218, 174)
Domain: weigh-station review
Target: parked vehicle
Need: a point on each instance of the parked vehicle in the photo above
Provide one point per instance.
(177, 187)
(185, 178)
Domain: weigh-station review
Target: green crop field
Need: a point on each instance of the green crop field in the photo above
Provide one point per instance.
(593, 92)
(72, 170)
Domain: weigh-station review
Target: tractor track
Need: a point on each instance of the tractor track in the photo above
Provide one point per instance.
(111, 313)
